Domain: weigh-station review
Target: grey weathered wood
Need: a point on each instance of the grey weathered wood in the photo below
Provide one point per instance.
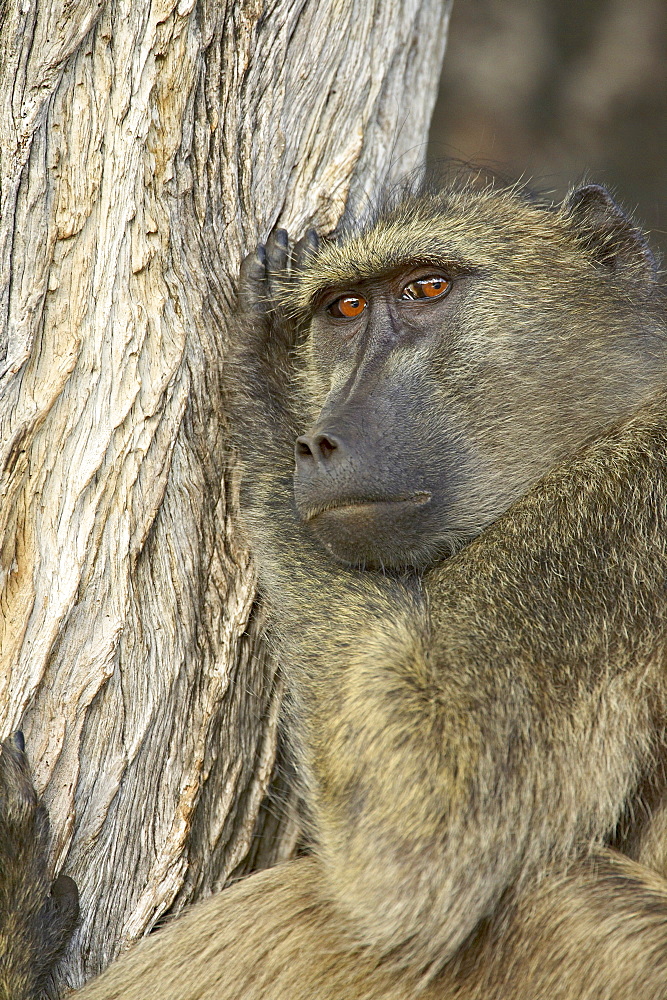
(143, 148)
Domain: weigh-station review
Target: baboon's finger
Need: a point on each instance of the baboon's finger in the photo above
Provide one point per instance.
(305, 250)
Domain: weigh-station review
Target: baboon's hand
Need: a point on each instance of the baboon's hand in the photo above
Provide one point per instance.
(264, 283)
(37, 918)
(258, 373)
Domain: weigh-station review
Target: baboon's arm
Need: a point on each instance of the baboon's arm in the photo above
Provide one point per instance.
(456, 732)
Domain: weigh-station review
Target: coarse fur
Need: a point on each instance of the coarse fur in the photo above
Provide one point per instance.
(466, 563)
(37, 917)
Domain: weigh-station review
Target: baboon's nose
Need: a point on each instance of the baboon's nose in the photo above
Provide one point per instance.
(317, 448)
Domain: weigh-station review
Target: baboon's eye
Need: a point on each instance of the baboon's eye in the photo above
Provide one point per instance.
(347, 306)
(431, 287)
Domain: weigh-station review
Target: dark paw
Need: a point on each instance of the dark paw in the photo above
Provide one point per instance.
(265, 273)
(260, 365)
(253, 297)
(277, 264)
(65, 896)
(305, 250)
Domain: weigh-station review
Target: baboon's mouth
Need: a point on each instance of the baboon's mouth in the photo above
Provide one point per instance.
(342, 504)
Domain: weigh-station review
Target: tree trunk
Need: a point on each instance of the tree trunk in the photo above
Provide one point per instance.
(144, 147)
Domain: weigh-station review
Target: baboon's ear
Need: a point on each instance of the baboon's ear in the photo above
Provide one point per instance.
(614, 240)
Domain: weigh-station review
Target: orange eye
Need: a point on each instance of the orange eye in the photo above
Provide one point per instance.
(431, 287)
(347, 306)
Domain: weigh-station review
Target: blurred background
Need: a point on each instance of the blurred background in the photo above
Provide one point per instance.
(560, 91)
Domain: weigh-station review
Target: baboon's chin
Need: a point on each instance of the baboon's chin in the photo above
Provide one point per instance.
(375, 534)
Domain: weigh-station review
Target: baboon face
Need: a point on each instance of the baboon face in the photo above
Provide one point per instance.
(456, 352)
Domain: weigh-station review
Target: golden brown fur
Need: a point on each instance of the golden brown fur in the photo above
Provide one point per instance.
(592, 933)
(471, 730)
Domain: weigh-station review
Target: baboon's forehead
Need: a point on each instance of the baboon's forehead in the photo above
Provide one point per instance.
(460, 231)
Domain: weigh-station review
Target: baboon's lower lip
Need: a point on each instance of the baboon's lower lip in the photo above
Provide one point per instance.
(355, 503)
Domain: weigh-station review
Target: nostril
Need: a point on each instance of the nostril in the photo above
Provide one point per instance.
(317, 447)
(303, 448)
(327, 445)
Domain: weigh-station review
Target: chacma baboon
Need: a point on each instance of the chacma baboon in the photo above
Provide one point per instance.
(452, 426)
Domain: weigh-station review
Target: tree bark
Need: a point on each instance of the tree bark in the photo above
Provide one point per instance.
(144, 147)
